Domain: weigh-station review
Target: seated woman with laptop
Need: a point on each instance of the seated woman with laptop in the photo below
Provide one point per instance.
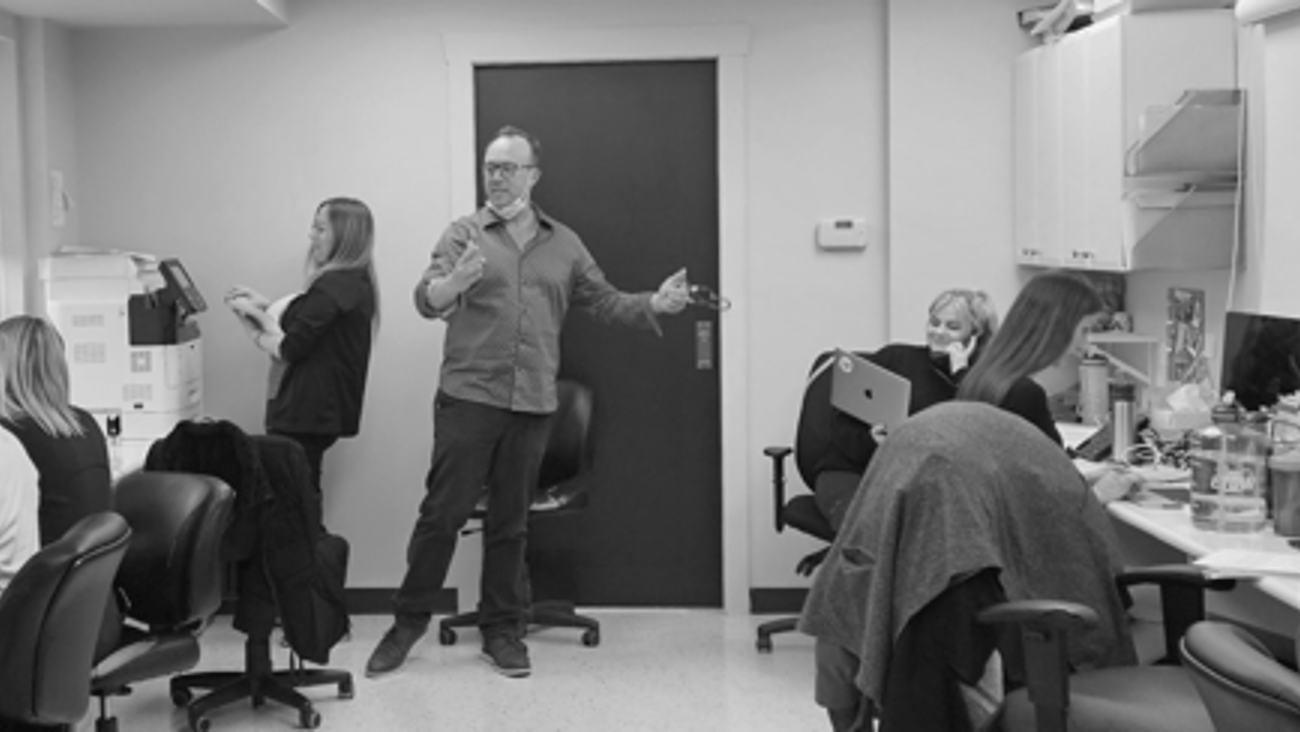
(833, 448)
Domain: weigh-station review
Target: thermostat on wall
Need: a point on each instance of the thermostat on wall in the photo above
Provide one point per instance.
(846, 233)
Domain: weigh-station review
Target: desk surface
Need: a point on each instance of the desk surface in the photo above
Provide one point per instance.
(1173, 526)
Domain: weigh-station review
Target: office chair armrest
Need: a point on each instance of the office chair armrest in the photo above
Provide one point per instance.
(1182, 598)
(1045, 627)
(1166, 575)
(778, 454)
(1042, 615)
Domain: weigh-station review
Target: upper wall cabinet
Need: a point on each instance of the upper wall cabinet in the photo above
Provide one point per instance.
(1127, 142)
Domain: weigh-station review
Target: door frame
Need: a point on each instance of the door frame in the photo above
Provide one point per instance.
(728, 46)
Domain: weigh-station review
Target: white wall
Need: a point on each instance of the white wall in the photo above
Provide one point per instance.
(216, 145)
(950, 137)
(1280, 218)
(13, 239)
(49, 140)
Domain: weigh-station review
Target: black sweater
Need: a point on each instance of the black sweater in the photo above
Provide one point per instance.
(326, 347)
(829, 440)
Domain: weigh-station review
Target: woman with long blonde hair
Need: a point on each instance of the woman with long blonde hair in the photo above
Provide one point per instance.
(320, 342)
(63, 441)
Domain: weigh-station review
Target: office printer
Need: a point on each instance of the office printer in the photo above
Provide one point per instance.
(134, 353)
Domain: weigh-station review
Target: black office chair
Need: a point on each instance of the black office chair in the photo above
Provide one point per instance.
(51, 615)
(813, 434)
(802, 513)
(1243, 686)
(276, 506)
(561, 490)
(171, 578)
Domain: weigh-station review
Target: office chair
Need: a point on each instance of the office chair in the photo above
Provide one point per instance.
(561, 490)
(1150, 698)
(802, 513)
(51, 615)
(1244, 687)
(277, 516)
(963, 491)
(171, 578)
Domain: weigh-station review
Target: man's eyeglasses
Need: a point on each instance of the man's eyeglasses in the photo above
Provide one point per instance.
(505, 170)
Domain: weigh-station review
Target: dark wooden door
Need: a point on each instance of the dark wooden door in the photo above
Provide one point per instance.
(630, 162)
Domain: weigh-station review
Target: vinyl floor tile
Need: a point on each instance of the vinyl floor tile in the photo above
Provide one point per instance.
(654, 671)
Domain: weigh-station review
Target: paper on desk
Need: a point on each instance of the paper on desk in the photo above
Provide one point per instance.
(1250, 563)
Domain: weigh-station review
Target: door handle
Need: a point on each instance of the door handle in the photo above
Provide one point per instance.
(703, 345)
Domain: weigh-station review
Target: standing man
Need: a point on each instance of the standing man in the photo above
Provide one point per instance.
(503, 279)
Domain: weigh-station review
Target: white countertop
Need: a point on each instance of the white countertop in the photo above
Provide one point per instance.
(1173, 526)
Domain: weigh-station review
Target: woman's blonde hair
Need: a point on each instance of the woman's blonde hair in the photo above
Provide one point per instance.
(35, 375)
(352, 228)
(979, 311)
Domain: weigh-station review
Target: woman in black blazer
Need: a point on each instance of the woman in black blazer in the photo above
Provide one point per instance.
(320, 341)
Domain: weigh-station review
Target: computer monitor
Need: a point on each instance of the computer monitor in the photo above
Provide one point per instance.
(1261, 358)
(181, 287)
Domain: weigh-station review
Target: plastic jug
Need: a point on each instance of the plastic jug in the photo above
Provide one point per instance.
(1229, 474)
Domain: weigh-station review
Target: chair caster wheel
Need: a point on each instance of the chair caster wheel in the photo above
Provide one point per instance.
(346, 690)
(181, 696)
(446, 636)
(591, 638)
(199, 724)
(764, 645)
(309, 718)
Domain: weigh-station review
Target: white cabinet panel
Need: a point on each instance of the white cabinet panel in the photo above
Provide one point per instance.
(1078, 108)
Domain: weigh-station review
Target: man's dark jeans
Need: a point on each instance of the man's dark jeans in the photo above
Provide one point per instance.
(475, 446)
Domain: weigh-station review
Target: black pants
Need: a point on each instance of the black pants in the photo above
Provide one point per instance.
(315, 447)
(475, 446)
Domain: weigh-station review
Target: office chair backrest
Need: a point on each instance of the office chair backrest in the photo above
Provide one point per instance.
(172, 572)
(1243, 686)
(50, 618)
(569, 448)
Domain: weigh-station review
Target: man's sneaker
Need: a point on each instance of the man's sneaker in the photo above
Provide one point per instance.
(390, 655)
(507, 654)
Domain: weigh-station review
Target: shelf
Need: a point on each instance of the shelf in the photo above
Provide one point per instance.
(1181, 230)
(1119, 336)
(1198, 135)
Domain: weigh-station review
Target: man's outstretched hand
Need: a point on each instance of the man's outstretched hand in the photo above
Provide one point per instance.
(673, 295)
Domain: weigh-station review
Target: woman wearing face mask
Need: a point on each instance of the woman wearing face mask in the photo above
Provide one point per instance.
(320, 343)
(832, 449)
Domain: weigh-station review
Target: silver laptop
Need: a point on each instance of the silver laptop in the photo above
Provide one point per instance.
(868, 391)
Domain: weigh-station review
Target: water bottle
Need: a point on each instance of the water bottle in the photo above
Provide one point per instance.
(1092, 389)
(1123, 419)
(1229, 473)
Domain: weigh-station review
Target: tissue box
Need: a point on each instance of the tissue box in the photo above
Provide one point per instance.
(1170, 424)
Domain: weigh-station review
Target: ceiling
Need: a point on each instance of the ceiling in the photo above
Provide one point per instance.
(127, 13)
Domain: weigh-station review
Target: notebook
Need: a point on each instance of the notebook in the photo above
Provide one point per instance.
(868, 391)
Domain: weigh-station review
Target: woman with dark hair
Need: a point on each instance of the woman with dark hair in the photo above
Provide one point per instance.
(64, 442)
(1049, 320)
(320, 343)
